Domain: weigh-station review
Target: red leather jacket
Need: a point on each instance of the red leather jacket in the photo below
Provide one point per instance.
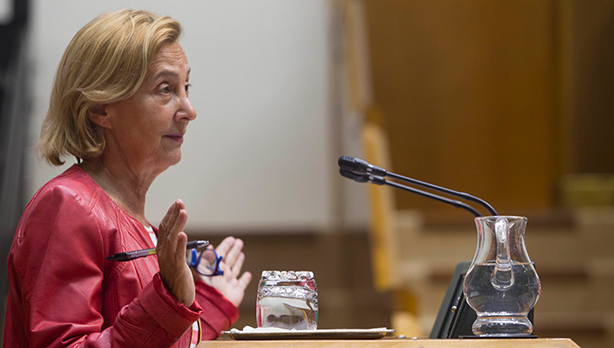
(64, 293)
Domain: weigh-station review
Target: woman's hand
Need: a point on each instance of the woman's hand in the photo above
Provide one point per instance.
(228, 284)
(171, 249)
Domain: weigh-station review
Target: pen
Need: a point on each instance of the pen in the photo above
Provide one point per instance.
(131, 255)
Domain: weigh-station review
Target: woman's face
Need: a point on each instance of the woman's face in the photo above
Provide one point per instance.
(146, 130)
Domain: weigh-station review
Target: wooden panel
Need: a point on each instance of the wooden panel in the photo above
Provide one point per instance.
(591, 74)
(469, 94)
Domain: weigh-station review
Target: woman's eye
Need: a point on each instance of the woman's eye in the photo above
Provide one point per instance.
(165, 89)
(187, 87)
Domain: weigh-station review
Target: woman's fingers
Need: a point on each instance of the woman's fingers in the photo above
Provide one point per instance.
(231, 248)
(244, 280)
(182, 239)
(225, 246)
(238, 264)
(171, 254)
(169, 222)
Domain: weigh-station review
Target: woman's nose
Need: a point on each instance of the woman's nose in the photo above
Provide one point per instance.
(187, 110)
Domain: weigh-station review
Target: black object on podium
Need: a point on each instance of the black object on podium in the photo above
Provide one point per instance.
(455, 317)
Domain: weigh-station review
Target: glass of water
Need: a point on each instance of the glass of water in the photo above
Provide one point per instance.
(287, 300)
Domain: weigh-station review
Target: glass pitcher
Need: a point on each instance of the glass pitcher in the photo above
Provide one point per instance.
(501, 284)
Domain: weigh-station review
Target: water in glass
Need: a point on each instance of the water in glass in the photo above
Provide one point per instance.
(287, 300)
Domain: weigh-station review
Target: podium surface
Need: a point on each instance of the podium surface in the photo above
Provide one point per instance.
(397, 343)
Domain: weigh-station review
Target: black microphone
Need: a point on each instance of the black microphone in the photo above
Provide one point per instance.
(359, 167)
(378, 180)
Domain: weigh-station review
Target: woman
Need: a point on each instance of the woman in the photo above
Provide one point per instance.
(120, 106)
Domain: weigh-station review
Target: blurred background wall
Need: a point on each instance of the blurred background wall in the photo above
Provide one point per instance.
(501, 99)
(507, 100)
(510, 101)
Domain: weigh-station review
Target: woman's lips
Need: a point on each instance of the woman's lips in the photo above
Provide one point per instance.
(175, 137)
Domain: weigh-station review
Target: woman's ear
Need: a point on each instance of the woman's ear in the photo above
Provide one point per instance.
(97, 113)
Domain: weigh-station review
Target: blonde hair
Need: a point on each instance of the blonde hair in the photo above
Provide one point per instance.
(105, 62)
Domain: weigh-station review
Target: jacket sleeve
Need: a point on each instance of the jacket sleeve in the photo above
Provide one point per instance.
(218, 313)
(58, 261)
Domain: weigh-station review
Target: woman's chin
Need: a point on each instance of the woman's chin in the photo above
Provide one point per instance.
(170, 160)
(175, 159)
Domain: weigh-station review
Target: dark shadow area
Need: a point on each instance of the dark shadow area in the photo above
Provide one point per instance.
(14, 114)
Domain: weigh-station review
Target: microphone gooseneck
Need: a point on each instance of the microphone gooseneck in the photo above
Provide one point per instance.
(362, 171)
(373, 179)
(378, 180)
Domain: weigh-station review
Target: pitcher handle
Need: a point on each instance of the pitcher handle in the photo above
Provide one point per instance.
(502, 276)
